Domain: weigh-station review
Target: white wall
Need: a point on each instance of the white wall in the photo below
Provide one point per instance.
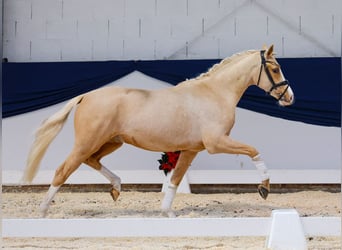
(283, 144)
(73, 30)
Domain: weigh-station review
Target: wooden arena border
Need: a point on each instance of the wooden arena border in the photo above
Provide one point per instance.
(281, 176)
(161, 227)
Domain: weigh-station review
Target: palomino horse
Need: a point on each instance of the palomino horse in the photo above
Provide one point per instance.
(195, 115)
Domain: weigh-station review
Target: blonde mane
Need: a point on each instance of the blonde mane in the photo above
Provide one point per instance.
(224, 62)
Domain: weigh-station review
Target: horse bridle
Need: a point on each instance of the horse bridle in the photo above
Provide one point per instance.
(274, 85)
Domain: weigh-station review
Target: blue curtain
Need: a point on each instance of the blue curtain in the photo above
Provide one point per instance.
(316, 83)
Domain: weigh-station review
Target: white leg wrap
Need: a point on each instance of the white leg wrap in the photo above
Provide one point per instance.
(170, 193)
(113, 178)
(44, 206)
(261, 167)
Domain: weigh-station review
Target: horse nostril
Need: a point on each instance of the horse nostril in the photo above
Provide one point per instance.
(291, 99)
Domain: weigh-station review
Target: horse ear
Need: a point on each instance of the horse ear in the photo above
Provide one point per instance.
(269, 52)
(264, 47)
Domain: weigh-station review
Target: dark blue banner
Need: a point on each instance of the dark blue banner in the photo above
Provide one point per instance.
(316, 83)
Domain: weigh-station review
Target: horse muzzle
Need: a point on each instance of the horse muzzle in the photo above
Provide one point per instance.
(287, 98)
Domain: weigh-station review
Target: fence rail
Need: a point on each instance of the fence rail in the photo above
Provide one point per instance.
(157, 227)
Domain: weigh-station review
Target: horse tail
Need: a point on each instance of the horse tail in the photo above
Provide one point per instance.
(44, 136)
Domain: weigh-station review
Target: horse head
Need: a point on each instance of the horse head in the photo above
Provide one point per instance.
(272, 80)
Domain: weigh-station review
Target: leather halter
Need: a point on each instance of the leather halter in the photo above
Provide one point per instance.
(274, 85)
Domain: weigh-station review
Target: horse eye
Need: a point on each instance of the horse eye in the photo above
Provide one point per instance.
(276, 71)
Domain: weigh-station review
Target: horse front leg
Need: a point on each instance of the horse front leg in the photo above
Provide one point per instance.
(225, 144)
(264, 188)
(183, 163)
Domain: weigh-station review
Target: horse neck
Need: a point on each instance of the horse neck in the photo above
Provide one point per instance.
(234, 78)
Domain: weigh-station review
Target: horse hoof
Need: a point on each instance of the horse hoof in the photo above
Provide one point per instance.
(43, 210)
(264, 189)
(43, 213)
(169, 214)
(115, 194)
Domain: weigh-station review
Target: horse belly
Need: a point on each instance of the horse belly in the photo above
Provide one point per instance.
(163, 140)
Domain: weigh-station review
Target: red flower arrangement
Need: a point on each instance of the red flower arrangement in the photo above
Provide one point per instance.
(168, 161)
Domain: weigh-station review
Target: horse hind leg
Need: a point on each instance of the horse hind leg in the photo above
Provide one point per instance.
(44, 206)
(72, 163)
(94, 162)
(61, 175)
(109, 175)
